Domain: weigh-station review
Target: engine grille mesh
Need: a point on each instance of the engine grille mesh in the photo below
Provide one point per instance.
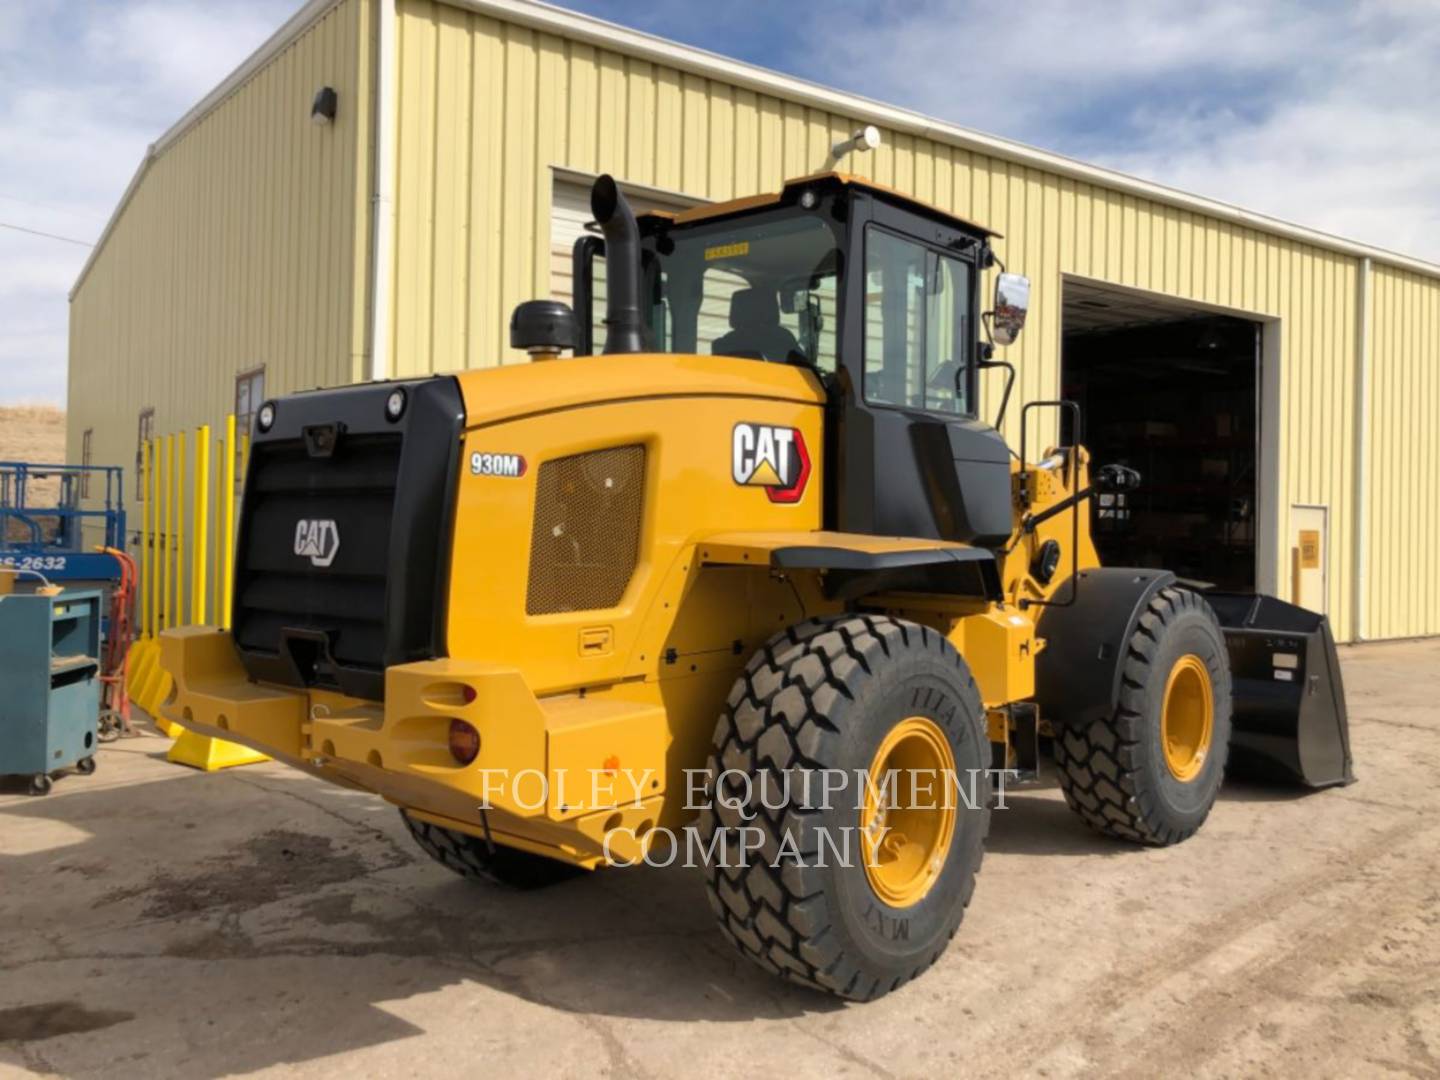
(586, 535)
(275, 588)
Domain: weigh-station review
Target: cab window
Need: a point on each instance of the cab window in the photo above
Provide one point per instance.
(916, 326)
(760, 288)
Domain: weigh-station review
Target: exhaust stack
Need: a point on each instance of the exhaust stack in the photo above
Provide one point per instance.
(625, 330)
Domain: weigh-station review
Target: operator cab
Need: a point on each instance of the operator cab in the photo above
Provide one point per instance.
(876, 293)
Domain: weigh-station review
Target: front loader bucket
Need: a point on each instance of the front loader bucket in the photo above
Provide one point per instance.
(1289, 717)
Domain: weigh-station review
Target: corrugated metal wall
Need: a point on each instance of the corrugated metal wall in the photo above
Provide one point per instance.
(486, 108)
(242, 245)
(1403, 495)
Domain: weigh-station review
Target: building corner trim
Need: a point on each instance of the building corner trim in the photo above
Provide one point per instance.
(382, 245)
(1359, 517)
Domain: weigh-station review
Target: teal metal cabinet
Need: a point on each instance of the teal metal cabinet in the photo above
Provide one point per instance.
(49, 684)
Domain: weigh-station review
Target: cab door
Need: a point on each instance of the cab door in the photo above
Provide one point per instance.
(914, 458)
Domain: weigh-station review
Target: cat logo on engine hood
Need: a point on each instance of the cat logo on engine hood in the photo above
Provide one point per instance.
(317, 540)
(774, 458)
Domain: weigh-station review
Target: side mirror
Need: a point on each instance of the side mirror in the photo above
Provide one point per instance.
(1012, 301)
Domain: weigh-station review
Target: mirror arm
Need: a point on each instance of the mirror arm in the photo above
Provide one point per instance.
(987, 361)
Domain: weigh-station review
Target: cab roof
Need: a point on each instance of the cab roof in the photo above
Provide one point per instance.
(707, 211)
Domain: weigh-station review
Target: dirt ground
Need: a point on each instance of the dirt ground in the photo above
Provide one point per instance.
(33, 433)
(160, 922)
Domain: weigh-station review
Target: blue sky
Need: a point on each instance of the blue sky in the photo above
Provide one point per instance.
(1318, 112)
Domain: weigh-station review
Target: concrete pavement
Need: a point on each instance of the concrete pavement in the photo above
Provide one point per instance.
(160, 922)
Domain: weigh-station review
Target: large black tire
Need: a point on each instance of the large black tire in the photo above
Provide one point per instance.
(470, 857)
(825, 694)
(1114, 773)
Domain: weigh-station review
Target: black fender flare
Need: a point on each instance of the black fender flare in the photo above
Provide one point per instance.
(1077, 674)
(857, 565)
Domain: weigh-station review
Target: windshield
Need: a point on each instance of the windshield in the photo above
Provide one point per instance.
(763, 287)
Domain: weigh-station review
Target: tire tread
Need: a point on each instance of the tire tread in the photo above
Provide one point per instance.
(470, 857)
(766, 912)
(1100, 767)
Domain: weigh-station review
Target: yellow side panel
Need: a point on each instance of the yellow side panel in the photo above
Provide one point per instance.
(689, 491)
(999, 646)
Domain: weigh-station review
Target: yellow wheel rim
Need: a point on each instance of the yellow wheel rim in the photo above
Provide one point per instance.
(1187, 717)
(908, 818)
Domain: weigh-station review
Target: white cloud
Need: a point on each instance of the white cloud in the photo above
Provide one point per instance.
(77, 110)
(1319, 113)
(184, 49)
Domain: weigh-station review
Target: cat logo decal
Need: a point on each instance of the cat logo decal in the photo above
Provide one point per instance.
(774, 458)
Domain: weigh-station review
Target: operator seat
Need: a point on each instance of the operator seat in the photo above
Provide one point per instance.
(755, 330)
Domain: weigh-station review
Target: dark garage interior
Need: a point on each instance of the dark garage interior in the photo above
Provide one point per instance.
(1171, 392)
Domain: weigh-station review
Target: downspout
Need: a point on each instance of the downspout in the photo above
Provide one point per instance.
(382, 245)
(1362, 440)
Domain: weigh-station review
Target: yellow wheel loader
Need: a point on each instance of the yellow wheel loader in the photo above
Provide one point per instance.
(755, 588)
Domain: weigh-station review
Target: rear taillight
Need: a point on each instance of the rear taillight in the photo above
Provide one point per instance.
(464, 742)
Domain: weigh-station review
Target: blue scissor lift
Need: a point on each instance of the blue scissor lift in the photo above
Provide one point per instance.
(49, 539)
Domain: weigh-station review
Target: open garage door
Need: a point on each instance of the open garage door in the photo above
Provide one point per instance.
(1173, 391)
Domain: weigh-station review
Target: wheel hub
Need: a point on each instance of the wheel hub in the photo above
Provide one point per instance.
(1187, 717)
(908, 818)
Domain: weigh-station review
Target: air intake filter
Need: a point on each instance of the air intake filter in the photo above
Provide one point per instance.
(586, 536)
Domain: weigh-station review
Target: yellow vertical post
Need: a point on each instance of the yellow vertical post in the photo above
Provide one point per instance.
(202, 522)
(180, 619)
(214, 570)
(227, 536)
(205, 751)
(152, 583)
(145, 541)
(169, 531)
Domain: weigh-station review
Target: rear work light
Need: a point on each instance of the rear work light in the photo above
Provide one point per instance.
(464, 742)
(395, 405)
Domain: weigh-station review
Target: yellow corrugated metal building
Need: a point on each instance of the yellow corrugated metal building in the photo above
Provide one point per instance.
(257, 252)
